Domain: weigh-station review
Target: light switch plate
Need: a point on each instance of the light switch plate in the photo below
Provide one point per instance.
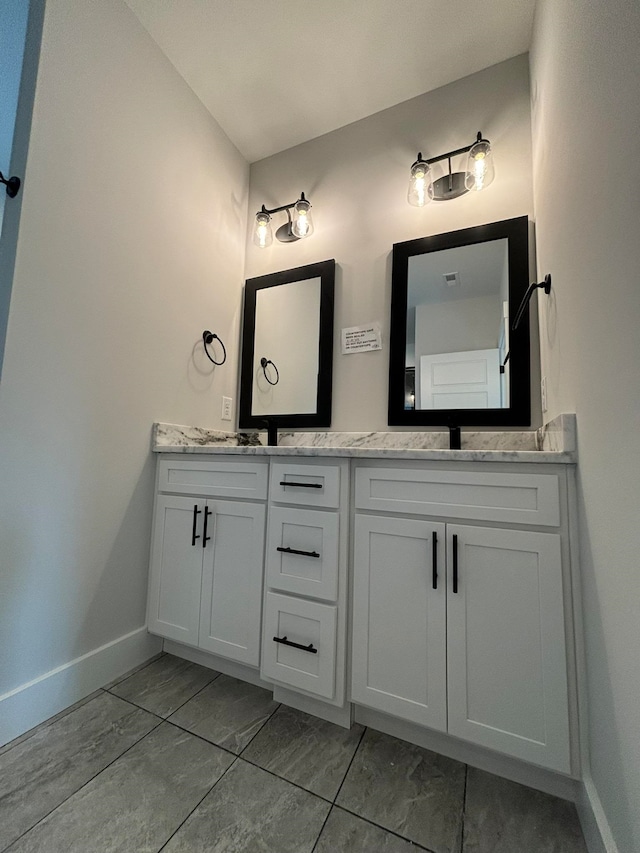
(543, 393)
(226, 408)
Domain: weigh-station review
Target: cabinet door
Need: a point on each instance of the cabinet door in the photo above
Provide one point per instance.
(176, 569)
(507, 679)
(230, 615)
(399, 630)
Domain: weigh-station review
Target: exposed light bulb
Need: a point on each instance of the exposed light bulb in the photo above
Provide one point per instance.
(420, 186)
(262, 235)
(480, 172)
(302, 225)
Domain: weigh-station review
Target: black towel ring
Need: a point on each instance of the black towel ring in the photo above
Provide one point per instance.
(263, 364)
(209, 337)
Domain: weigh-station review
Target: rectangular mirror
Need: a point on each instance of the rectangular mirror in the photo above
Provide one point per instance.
(454, 360)
(287, 348)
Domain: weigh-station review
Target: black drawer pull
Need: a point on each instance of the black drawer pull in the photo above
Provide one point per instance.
(295, 551)
(301, 485)
(434, 545)
(286, 642)
(196, 513)
(455, 563)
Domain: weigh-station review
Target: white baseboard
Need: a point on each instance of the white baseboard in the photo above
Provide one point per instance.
(595, 826)
(30, 704)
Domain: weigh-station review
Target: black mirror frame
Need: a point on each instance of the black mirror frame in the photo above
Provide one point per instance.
(518, 413)
(325, 270)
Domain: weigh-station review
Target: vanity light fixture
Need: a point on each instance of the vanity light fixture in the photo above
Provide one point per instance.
(298, 225)
(479, 173)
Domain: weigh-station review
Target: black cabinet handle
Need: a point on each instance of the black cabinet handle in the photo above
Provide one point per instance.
(295, 551)
(455, 563)
(286, 642)
(301, 485)
(205, 538)
(196, 513)
(434, 547)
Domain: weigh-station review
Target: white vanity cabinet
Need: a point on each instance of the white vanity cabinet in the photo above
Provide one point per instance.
(205, 584)
(461, 626)
(304, 640)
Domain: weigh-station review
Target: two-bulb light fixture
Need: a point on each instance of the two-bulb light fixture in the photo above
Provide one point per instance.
(298, 225)
(479, 173)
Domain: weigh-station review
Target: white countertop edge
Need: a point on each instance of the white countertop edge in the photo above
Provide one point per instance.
(539, 456)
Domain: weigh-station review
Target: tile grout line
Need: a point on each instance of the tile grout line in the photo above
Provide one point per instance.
(355, 752)
(199, 803)
(253, 737)
(84, 784)
(384, 829)
(45, 724)
(51, 721)
(171, 713)
(464, 807)
(373, 823)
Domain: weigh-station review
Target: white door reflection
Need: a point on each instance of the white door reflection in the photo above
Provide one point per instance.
(457, 328)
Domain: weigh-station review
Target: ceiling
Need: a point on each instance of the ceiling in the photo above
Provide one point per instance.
(276, 73)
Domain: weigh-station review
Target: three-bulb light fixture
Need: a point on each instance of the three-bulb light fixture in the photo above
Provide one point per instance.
(298, 225)
(479, 173)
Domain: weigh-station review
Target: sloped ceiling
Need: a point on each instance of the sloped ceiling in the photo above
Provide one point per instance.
(276, 73)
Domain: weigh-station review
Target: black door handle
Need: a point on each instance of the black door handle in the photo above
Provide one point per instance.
(455, 563)
(295, 551)
(196, 513)
(286, 642)
(434, 551)
(205, 538)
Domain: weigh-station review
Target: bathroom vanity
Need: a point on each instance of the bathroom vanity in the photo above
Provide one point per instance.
(423, 591)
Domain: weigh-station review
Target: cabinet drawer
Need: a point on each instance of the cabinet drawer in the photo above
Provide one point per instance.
(313, 572)
(305, 485)
(305, 623)
(518, 498)
(215, 477)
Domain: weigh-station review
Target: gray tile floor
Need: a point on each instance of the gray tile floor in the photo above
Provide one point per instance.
(179, 758)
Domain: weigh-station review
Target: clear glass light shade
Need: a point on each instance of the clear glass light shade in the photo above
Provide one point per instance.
(420, 184)
(262, 234)
(302, 223)
(480, 170)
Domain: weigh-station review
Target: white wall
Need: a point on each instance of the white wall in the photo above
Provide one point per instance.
(357, 179)
(131, 244)
(585, 65)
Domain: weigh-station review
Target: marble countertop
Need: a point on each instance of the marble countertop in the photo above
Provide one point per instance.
(554, 442)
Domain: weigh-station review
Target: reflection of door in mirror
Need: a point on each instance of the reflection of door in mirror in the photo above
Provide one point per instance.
(457, 328)
(287, 333)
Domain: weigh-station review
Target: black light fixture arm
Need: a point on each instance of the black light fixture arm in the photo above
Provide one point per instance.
(449, 154)
(526, 298)
(12, 185)
(282, 207)
(208, 338)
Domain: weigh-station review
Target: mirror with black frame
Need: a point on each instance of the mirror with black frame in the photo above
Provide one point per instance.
(287, 348)
(454, 359)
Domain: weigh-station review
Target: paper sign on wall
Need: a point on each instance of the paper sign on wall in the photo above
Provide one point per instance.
(362, 338)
